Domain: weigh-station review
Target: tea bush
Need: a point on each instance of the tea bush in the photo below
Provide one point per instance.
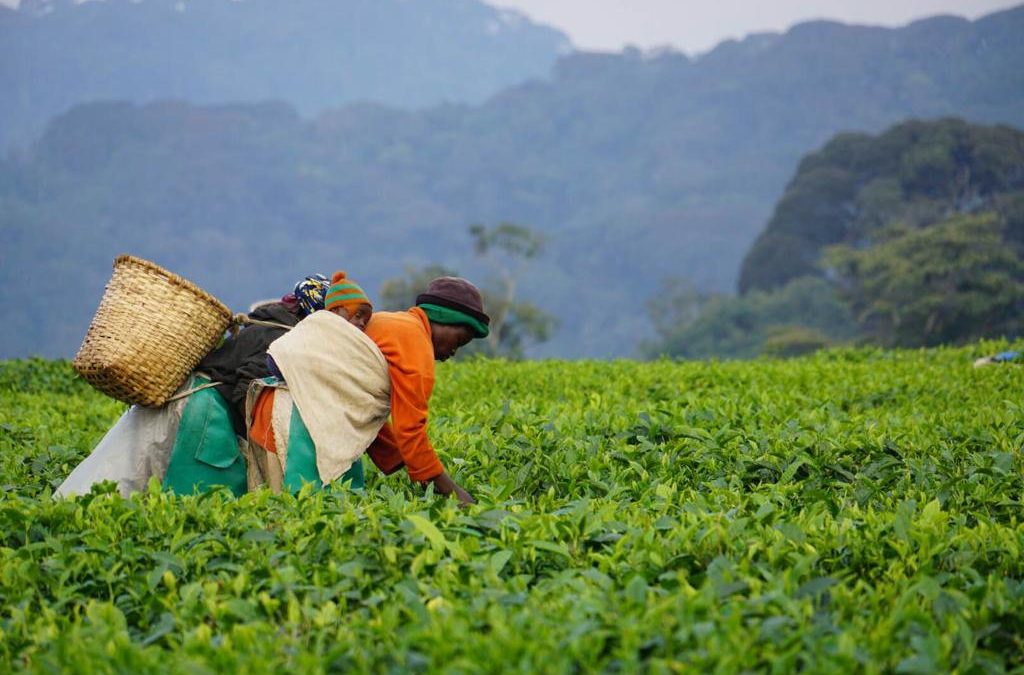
(852, 511)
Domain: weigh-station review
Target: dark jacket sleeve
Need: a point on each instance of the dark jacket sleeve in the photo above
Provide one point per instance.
(251, 365)
(236, 363)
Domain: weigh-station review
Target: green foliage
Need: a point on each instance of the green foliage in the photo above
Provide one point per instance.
(950, 283)
(40, 376)
(804, 315)
(855, 511)
(873, 213)
(853, 189)
(48, 417)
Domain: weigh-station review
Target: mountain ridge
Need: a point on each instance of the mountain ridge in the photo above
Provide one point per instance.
(636, 167)
(317, 54)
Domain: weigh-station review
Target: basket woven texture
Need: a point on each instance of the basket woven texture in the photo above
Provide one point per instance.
(151, 329)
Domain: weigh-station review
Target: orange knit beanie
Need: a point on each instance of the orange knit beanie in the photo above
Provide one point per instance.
(345, 293)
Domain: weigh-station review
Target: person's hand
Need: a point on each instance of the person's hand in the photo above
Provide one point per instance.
(443, 484)
(465, 499)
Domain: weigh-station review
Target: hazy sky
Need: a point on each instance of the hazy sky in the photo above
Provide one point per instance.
(697, 25)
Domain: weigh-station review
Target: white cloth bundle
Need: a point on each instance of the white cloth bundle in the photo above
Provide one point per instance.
(339, 382)
(135, 449)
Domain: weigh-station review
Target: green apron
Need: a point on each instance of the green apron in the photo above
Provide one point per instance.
(205, 452)
(301, 466)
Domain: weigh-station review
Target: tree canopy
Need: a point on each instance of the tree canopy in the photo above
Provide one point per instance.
(950, 283)
(917, 173)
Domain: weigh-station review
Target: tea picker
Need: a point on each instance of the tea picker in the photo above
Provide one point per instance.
(1001, 357)
(151, 331)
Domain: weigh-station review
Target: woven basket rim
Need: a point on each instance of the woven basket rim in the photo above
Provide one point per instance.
(128, 259)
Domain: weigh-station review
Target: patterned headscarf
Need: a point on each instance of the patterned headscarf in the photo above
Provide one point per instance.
(309, 293)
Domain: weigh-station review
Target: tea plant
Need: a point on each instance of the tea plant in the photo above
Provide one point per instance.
(855, 511)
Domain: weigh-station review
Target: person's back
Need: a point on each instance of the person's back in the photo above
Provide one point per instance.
(242, 358)
(404, 339)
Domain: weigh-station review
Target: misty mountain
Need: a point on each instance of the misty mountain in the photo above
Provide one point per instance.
(638, 167)
(832, 266)
(311, 53)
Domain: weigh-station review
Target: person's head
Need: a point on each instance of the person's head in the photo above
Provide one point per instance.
(346, 299)
(308, 295)
(455, 309)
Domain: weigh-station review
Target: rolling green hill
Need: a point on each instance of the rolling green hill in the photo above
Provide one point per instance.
(916, 174)
(913, 237)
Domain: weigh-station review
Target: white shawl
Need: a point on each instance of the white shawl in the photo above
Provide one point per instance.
(339, 381)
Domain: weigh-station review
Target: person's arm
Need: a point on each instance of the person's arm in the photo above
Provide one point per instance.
(410, 393)
(253, 365)
(384, 451)
(443, 484)
(386, 456)
(404, 441)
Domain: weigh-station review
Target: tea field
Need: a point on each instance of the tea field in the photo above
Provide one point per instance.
(854, 511)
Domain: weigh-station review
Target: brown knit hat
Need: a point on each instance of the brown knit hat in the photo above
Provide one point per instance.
(455, 293)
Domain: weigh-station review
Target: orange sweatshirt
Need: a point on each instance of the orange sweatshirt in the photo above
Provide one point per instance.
(404, 339)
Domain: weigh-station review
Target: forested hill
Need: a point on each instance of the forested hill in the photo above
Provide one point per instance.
(312, 53)
(858, 186)
(638, 167)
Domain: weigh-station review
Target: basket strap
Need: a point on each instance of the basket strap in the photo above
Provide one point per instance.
(189, 392)
(245, 320)
(237, 321)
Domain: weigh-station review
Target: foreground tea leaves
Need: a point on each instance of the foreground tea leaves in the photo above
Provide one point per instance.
(855, 511)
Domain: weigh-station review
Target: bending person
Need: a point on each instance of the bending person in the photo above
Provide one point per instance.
(331, 394)
(447, 316)
(242, 358)
(201, 426)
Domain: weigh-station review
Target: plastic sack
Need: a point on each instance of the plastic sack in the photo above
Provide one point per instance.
(135, 449)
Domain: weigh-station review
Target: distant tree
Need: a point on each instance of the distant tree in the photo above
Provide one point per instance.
(400, 293)
(789, 341)
(949, 283)
(677, 304)
(804, 315)
(507, 249)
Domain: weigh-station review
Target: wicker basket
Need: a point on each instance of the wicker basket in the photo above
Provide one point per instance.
(150, 331)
